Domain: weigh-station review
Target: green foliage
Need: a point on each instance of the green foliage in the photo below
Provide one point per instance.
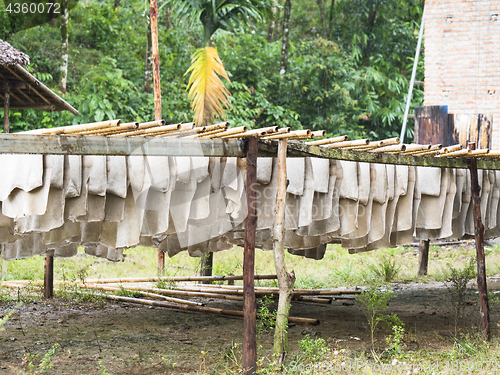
(267, 318)
(314, 349)
(102, 369)
(457, 287)
(395, 341)
(375, 304)
(6, 317)
(45, 364)
(387, 269)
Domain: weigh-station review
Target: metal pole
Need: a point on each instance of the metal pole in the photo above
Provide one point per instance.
(412, 82)
(249, 304)
(478, 233)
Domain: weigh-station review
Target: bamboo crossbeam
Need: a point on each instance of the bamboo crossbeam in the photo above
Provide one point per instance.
(253, 133)
(393, 148)
(297, 134)
(238, 130)
(313, 299)
(357, 142)
(432, 149)
(342, 138)
(416, 148)
(150, 131)
(221, 125)
(73, 129)
(207, 134)
(178, 133)
(265, 291)
(123, 129)
(454, 154)
(451, 149)
(203, 309)
(146, 294)
(480, 152)
(492, 154)
(373, 145)
(117, 129)
(318, 133)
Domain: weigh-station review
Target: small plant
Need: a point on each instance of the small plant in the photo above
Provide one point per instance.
(128, 293)
(267, 318)
(45, 364)
(102, 369)
(375, 304)
(387, 270)
(167, 363)
(457, 288)
(314, 349)
(343, 273)
(395, 341)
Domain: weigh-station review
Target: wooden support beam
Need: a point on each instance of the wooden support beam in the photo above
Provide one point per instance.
(206, 265)
(249, 303)
(6, 124)
(161, 261)
(48, 280)
(423, 257)
(478, 234)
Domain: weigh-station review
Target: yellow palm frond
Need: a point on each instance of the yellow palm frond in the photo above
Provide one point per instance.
(206, 90)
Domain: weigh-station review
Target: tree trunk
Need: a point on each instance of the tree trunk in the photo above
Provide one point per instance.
(285, 43)
(148, 74)
(271, 27)
(6, 106)
(277, 26)
(423, 257)
(168, 17)
(285, 279)
(153, 11)
(330, 21)
(321, 6)
(63, 79)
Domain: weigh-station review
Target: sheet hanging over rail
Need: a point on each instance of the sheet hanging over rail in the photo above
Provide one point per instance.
(110, 203)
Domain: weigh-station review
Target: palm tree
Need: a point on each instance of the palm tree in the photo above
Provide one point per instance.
(206, 90)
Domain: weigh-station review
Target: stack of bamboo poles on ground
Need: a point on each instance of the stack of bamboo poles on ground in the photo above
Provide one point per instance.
(172, 288)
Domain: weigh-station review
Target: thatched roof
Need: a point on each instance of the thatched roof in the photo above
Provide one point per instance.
(11, 56)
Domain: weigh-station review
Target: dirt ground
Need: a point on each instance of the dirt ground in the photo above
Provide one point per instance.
(132, 339)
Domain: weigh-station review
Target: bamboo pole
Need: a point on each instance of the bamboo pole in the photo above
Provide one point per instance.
(481, 261)
(175, 134)
(298, 134)
(313, 299)
(376, 144)
(393, 148)
(123, 128)
(201, 309)
(454, 154)
(117, 129)
(238, 130)
(146, 294)
(253, 133)
(318, 133)
(451, 149)
(320, 142)
(207, 134)
(424, 152)
(416, 148)
(175, 279)
(73, 129)
(249, 304)
(358, 142)
(6, 123)
(149, 131)
(221, 125)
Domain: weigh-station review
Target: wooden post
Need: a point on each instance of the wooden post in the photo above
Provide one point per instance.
(6, 123)
(249, 304)
(423, 257)
(48, 279)
(478, 234)
(155, 60)
(206, 266)
(285, 279)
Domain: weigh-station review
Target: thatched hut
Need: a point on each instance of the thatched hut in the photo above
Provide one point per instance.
(20, 90)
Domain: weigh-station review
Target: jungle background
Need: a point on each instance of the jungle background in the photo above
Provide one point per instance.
(348, 70)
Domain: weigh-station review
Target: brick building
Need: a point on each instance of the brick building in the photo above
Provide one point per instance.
(462, 58)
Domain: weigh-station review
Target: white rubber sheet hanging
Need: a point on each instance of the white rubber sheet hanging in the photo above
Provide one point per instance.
(109, 203)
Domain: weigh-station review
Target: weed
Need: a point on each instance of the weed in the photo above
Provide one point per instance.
(102, 369)
(167, 363)
(395, 341)
(375, 304)
(457, 288)
(7, 316)
(344, 272)
(387, 270)
(267, 318)
(314, 349)
(128, 293)
(45, 364)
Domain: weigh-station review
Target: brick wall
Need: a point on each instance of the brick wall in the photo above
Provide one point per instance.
(462, 58)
